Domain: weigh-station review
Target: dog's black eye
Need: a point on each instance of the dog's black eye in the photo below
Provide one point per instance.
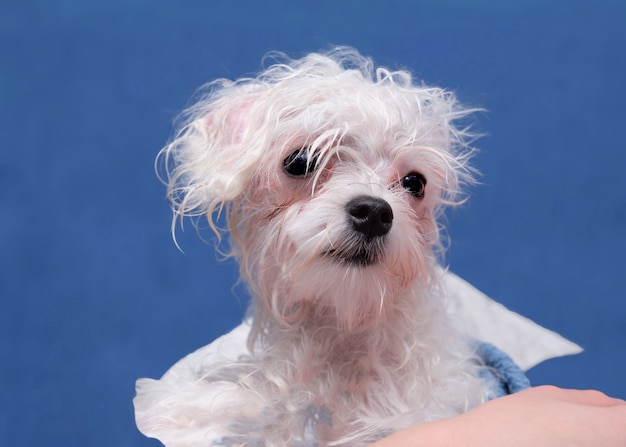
(415, 183)
(300, 163)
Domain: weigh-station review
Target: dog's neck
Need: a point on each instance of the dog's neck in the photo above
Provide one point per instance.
(381, 340)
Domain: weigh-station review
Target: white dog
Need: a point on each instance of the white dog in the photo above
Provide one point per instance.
(332, 175)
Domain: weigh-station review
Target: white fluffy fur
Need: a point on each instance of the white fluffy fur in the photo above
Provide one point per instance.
(340, 354)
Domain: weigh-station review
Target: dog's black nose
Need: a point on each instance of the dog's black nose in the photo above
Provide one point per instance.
(370, 216)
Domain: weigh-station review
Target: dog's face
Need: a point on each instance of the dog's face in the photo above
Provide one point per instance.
(332, 180)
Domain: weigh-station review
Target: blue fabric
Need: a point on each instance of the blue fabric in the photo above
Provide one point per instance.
(501, 370)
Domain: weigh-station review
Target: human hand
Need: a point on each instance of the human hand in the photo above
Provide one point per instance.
(544, 416)
(549, 416)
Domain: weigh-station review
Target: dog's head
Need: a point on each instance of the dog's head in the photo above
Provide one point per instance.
(331, 174)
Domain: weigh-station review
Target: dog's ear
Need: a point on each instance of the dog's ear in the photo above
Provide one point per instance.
(211, 158)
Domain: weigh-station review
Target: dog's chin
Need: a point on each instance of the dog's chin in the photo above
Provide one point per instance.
(361, 258)
(360, 255)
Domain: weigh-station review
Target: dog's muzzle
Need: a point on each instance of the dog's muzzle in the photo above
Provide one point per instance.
(370, 219)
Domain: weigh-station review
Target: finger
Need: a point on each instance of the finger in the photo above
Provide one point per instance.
(584, 397)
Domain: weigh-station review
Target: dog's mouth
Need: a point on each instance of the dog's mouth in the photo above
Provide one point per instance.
(361, 256)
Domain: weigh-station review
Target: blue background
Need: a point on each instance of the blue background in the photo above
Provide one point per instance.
(93, 292)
